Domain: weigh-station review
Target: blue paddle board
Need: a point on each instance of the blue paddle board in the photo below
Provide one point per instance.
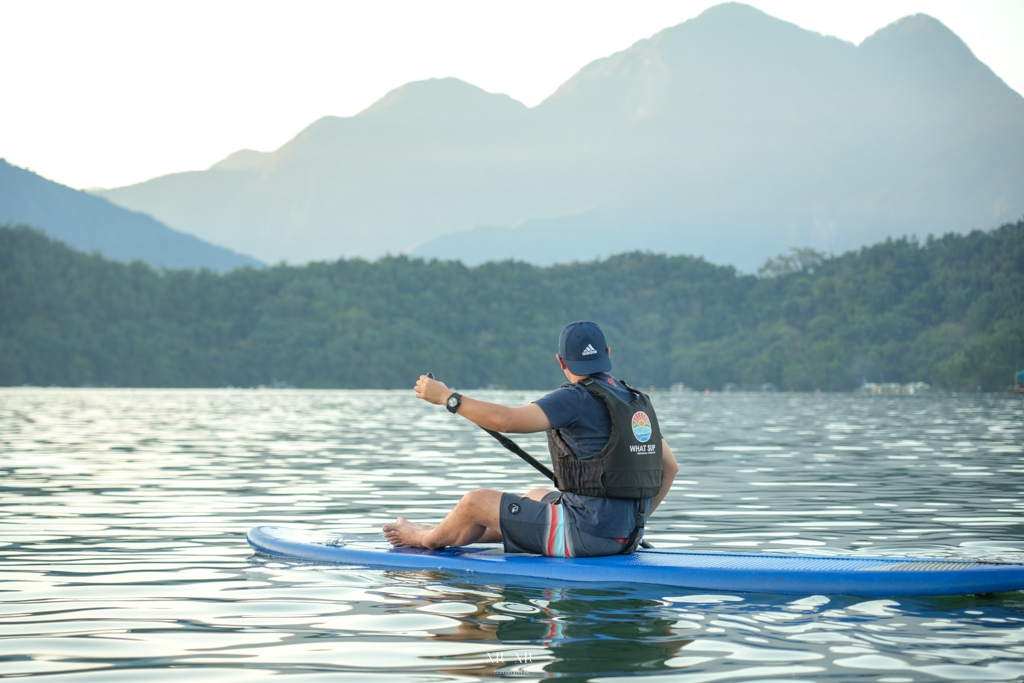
(718, 571)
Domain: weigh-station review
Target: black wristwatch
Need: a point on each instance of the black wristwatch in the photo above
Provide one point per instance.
(453, 402)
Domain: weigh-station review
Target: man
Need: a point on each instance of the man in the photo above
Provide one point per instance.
(611, 465)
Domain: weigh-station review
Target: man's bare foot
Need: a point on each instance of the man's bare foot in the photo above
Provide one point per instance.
(405, 534)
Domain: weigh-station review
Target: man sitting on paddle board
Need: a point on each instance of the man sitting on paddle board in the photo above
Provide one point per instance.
(611, 465)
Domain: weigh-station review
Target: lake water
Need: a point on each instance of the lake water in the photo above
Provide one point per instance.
(123, 516)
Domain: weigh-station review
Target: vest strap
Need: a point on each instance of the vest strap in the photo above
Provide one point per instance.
(628, 547)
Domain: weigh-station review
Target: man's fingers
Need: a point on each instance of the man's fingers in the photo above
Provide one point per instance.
(421, 387)
(429, 389)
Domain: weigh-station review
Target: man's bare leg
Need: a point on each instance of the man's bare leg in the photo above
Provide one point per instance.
(476, 518)
(537, 494)
(490, 536)
(473, 517)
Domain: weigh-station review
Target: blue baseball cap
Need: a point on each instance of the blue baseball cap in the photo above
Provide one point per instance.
(581, 345)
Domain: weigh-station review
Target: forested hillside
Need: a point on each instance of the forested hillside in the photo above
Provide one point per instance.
(949, 311)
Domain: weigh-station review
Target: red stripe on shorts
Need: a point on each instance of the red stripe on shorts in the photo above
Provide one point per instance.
(553, 531)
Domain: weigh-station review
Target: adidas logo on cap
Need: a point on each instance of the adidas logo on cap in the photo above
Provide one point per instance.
(589, 351)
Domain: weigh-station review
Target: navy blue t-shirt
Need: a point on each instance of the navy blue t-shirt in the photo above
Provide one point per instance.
(583, 421)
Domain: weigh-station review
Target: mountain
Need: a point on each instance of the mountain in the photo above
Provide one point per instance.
(734, 136)
(427, 156)
(91, 223)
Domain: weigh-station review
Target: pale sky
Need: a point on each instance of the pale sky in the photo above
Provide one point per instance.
(102, 93)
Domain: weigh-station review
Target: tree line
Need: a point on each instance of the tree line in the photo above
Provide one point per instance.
(946, 310)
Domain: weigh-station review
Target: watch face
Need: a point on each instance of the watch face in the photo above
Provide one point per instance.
(453, 401)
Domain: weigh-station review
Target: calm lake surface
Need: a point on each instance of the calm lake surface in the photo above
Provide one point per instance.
(123, 557)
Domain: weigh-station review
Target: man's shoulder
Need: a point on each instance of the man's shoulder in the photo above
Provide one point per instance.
(566, 392)
(562, 406)
(577, 393)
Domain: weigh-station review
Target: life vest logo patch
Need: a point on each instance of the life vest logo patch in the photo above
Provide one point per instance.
(641, 426)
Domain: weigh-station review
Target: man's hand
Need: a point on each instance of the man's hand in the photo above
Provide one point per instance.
(431, 390)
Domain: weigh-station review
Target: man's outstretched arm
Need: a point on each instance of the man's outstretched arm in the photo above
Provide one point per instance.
(499, 418)
(669, 468)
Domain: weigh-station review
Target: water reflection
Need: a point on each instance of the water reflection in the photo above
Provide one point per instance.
(123, 513)
(571, 631)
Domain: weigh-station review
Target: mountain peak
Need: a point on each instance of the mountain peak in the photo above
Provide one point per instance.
(730, 53)
(242, 160)
(918, 32)
(919, 52)
(733, 22)
(913, 24)
(735, 11)
(442, 97)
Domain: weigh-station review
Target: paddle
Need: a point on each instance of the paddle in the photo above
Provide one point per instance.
(539, 466)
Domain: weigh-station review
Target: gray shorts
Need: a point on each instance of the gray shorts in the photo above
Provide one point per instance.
(544, 528)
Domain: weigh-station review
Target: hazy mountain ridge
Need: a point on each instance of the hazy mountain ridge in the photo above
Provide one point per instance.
(90, 223)
(734, 136)
(242, 160)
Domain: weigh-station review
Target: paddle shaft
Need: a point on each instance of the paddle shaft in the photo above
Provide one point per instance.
(537, 465)
(514, 447)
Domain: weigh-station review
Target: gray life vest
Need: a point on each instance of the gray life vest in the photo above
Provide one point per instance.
(629, 465)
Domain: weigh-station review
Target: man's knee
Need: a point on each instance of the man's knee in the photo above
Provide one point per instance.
(478, 500)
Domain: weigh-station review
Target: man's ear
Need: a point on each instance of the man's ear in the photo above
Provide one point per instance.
(561, 362)
(608, 350)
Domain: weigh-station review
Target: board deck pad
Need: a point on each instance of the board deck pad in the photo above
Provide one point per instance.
(703, 570)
